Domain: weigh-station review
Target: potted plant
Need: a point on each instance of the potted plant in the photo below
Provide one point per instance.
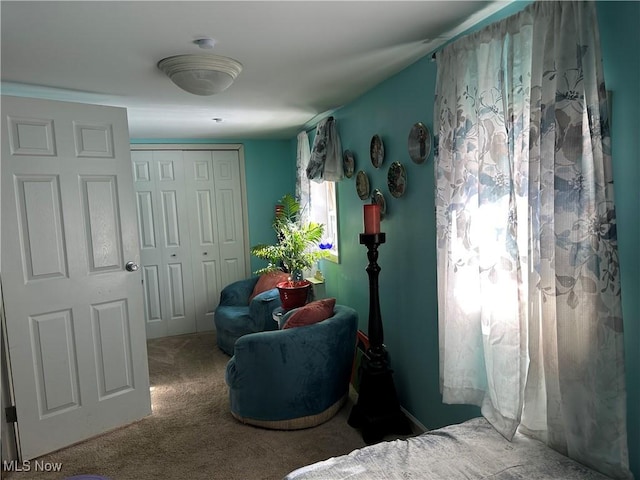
(296, 250)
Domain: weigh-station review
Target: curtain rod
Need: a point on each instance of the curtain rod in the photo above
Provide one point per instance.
(311, 129)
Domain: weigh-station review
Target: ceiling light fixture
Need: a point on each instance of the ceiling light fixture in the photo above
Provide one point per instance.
(201, 74)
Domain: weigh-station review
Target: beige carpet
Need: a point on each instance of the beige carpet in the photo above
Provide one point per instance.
(191, 433)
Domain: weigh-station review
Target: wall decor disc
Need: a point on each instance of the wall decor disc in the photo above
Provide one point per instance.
(419, 142)
(397, 179)
(349, 163)
(377, 151)
(378, 198)
(362, 185)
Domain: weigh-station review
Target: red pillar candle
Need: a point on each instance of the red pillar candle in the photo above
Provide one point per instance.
(372, 218)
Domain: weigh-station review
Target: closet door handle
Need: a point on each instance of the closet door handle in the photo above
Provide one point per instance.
(205, 253)
(174, 255)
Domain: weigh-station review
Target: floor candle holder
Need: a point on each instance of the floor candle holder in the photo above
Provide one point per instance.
(377, 412)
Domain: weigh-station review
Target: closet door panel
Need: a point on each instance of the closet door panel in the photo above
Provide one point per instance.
(163, 222)
(229, 209)
(147, 204)
(201, 198)
(173, 218)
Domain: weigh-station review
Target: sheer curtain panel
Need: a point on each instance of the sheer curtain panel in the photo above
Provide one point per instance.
(530, 319)
(303, 187)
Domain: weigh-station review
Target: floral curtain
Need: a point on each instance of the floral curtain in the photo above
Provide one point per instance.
(530, 320)
(325, 163)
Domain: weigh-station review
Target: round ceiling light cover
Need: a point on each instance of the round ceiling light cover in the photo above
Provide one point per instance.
(201, 74)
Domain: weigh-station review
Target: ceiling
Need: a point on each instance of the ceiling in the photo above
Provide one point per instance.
(301, 59)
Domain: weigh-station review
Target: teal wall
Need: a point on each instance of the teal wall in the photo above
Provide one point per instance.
(408, 258)
(620, 39)
(269, 175)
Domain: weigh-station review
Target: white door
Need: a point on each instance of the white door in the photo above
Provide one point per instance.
(216, 226)
(229, 207)
(203, 234)
(164, 239)
(74, 314)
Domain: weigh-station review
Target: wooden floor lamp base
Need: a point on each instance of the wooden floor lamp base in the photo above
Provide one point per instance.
(377, 412)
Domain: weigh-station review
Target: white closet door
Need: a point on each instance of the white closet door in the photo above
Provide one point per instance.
(229, 209)
(165, 242)
(205, 251)
(217, 234)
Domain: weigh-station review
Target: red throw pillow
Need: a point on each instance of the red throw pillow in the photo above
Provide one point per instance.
(311, 313)
(268, 281)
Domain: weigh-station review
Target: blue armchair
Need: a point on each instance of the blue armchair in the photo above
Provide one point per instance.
(236, 316)
(293, 378)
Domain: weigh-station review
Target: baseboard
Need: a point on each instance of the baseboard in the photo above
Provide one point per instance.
(416, 425)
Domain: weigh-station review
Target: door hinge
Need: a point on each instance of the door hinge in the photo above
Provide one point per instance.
(10, 414)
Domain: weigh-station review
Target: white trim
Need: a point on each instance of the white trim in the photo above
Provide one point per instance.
(239, 147)
(187, 146)
(416, 423)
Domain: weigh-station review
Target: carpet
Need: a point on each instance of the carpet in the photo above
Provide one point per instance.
(191, 433)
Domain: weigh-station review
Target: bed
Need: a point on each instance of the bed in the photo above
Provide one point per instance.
(470, 450)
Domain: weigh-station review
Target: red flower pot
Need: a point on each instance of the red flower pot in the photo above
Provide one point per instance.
(293, 294)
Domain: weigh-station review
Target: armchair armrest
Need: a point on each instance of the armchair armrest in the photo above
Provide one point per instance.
(261, 309)
(237, 293)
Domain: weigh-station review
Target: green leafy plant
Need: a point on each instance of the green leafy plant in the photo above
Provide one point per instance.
(297, 247)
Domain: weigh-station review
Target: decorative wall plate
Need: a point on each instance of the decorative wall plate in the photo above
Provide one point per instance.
(362, 185)
(419, 142)
(377, 151)
(378, 198)
(397, 179)
(349, 163)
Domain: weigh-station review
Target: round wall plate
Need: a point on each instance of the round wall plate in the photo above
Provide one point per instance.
(376, 151)
(419, 142)
(397, 179)
(349, 163)
(362, 185)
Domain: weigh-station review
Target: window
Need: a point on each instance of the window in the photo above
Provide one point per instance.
(324, 209)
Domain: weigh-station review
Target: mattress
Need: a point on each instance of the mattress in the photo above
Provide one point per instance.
(470, 450)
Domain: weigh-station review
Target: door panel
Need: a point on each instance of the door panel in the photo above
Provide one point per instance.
(99, 198)
(74, 315)
(230, 216)
(162, 214)
(39, 216)
(54, 353)
(113, 348)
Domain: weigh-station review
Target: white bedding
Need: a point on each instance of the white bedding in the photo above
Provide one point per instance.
(470, 450)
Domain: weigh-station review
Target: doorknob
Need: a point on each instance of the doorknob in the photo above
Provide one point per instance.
(131, 266)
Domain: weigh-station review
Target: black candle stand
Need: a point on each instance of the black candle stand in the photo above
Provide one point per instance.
(377, 412)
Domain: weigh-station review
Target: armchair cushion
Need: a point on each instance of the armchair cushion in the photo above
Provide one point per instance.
(311, 313)
(268, 281)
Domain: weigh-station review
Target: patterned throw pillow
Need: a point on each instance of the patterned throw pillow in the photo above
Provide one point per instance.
(268, 281)
(311, 313)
